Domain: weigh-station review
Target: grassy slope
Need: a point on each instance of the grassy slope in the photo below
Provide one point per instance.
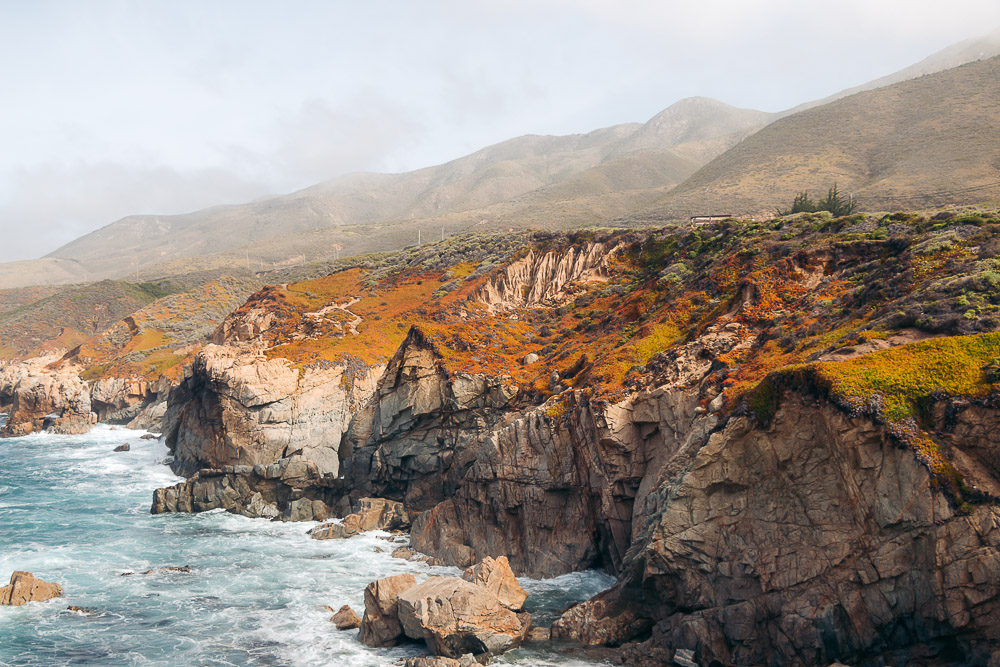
(890, 147)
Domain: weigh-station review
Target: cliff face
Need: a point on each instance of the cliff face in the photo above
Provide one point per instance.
(772, 478)
(420, 431)
(43, 398)
(239, 408)
(813, 540)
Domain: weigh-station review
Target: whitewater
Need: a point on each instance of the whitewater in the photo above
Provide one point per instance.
(75, 512)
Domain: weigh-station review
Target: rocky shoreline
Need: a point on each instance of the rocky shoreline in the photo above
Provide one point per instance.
(793, 527)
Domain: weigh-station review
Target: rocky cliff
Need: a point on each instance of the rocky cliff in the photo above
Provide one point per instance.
(735, 420)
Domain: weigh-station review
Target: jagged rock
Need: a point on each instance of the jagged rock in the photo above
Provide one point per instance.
(497, 577)
(137, 403)
(346, 619)
(123, 448)
(380, 625)
(149, 436)
(372, 514)
(540, 278)
(456, 617)
(604, 619)
(415, 438)
(403, 552)
(43, 399)
(817, 537)
(238, 407)
(24, 587)
(82, 611)
(560, 495)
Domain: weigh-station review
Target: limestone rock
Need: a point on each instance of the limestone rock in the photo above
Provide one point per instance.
(497, 577)
(24, 587)
(380, 625)
(456, 617)
(346, 619)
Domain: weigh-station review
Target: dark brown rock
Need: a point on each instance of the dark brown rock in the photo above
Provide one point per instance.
(123, 448)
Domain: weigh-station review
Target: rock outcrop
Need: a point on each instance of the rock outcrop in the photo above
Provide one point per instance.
(812, 540)
(238, 407)
(555, 490)
(371, 514)
(380, 625)
(418, 435)
(541, 278)
(346, 619)
(497, 578)
(132, 402)
(45, 399)
(24, 587)
(455, 617)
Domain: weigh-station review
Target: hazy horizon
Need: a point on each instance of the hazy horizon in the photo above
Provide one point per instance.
(166, 108)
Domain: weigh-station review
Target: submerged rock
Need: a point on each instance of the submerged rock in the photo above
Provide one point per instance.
(24, 587)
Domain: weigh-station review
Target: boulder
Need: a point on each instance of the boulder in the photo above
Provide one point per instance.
(380, 625)
(372, 514)
(123, 448)
(456, 617)
(403, 552)
(604, 619)
(497, 577)
(346, 619)
(24, 587)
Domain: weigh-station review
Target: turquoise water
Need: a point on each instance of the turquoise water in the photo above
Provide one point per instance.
(74, 512)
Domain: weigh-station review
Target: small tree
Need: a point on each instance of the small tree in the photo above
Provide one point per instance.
(835, 203)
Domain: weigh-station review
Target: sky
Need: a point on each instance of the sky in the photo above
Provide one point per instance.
(119, 107)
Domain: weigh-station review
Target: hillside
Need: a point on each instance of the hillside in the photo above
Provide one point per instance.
(528, 179)
(923, 142)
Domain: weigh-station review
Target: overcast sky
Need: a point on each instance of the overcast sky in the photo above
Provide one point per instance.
(114, 107)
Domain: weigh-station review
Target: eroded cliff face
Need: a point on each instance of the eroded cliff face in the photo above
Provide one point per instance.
(813, 540)
(239, 408)
(42, 397)
(540, 278)
(420, 431)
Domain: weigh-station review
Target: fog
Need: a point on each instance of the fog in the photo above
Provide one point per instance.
(113, 108)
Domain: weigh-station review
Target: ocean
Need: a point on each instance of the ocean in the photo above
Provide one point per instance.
(75, 512)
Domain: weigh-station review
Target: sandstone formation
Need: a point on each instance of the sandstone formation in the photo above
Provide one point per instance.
(456, 617)
(380, 625)
(372, 514)
(24, 588)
